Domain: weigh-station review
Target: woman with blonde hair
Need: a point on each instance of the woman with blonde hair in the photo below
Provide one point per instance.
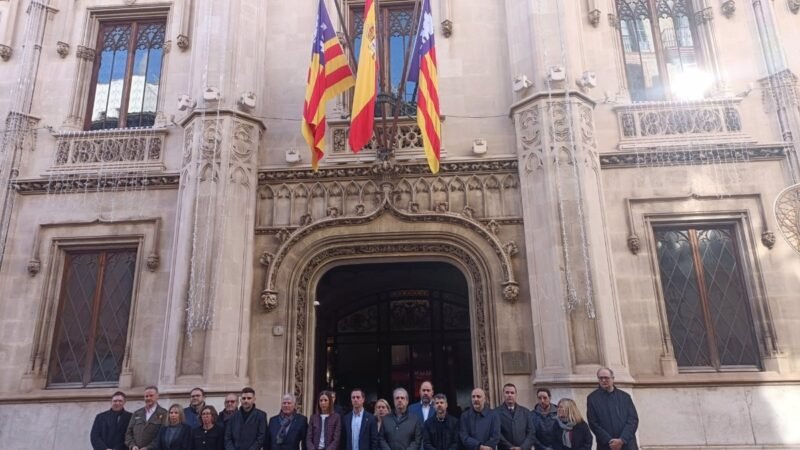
(175, 435)
(381, 409)
(570, 431)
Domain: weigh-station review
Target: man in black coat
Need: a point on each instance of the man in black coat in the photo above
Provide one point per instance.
(612, 415)
(287, 430)
(517, 431)
(440, 431)
(479, 426)
(108, 430)
(359, 428)
(247, 430)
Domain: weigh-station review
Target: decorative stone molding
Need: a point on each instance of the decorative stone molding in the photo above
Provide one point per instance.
(679, 157)
(5, 52)
(408, 143)
(81, 183)
(183, 42)
(704, 16)
(62, 48)
(594, 17)
(613, 21)
(779, 90)
(386, 206)
(710, 120)
(133, 148)
(634, 243)
(479, 303)
(794, 6)
(728, 7)
(85, 53)
(447, 28)
(787, 214)
(34, 264)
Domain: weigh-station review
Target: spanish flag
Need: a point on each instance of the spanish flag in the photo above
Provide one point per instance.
(363, 114)
(424, 71)
(328, 76)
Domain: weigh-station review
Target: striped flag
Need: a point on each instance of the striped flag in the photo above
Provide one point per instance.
(423, 70)
(328, 76)
(363, 114)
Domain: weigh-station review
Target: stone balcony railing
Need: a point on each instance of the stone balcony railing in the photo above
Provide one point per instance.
(118, 149)
(664, 123)
(408, 138)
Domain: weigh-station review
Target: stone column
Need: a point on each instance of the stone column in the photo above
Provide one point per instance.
(210, 296)
(575, 313)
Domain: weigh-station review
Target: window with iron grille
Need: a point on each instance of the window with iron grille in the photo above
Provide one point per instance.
(660, 47)
(127, 74)
(396, 30)
(92, 324)
(707, 302)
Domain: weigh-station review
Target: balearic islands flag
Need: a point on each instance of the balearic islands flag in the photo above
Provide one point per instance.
(363, 114)
(328, 76)
(423, 70)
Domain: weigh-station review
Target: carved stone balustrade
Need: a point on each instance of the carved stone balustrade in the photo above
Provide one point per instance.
(118, 149)
(408, 137)
(680, 123)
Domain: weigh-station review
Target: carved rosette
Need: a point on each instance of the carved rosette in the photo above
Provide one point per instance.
(727, 8)
(183, 42)
(34, 266)
(594, 17)
(634, 244)
(153, 262)
(511, 292)
(62, 48)
(447, 28)
(5, 52)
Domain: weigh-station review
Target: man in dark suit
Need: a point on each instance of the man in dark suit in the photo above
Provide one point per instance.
(108, 430)
(247, 430)
(287, 430)
(146, 422)
(360, 428)
(517, 430)
(424, 408)
(612, 415)
(440, 432)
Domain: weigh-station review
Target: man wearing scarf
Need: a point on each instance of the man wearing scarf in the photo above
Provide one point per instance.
(287, 430)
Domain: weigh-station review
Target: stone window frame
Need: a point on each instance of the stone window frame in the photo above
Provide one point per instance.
(57, 240)
(86, 53)
(653, 215)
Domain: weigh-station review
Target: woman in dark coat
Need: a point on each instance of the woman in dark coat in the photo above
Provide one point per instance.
(209, 435)
(175, 435)
(327, 438)
(570, 430)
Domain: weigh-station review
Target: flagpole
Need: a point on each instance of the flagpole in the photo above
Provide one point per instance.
(404, 77)
(381, 138)
(352, 59)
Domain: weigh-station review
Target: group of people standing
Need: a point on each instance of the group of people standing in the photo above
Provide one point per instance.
(425, 425)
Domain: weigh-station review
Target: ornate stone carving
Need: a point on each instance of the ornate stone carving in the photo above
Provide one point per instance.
(62, 48)
(283, 235)
(511, 248)
(665, 158)
(333, 212)
(768, 239)
(704, 16)
(728, 7)
(34, 266)
(78, 183)
(447, 28)
(240, 166)
(210, 150)
(511, 292)
(153, 262)
(493, 227)
(408, 137)
(634, 244)
(780, 90)
(479, 305)
(182, 41)
(85, 53)
(266, 259)
(5, 52)
(672, 120)
(787, 214)
(613, 21)
(468, 212)
(108, 148)
(594, 17)
(269, 300)
(794, 6)
(359, 210)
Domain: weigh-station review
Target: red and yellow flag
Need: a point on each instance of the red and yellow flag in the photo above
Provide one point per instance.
(363, 113)
(328, 76)
(424, 71)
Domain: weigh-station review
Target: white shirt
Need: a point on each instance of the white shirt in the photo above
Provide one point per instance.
(426, 410)
(149, 412)
(322, 431)
(355, 428)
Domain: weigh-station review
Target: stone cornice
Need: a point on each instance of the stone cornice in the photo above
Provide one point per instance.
(79, 183)
(698, 156)
(212, 113)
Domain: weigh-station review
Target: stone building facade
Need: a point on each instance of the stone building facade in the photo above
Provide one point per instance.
(605, 199)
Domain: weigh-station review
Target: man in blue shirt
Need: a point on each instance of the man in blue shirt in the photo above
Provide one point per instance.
(360, 428)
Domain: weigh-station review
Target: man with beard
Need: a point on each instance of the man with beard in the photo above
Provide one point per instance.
(287, 430)
(440, 432)
(401, 430)
(479, 427)
(423, 409)
(197, 401)
(517, 431)
(108, 430)
(612, 415)
(247, 430)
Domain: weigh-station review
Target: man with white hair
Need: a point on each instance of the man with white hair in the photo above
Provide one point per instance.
(401, 430)
(287, 430)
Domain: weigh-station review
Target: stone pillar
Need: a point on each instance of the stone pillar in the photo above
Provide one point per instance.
(210, 295)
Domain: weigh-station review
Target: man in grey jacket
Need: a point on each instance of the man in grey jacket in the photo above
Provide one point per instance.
(517, 431)
(401, 431)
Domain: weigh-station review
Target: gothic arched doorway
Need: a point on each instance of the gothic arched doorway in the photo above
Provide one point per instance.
(384, 325)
